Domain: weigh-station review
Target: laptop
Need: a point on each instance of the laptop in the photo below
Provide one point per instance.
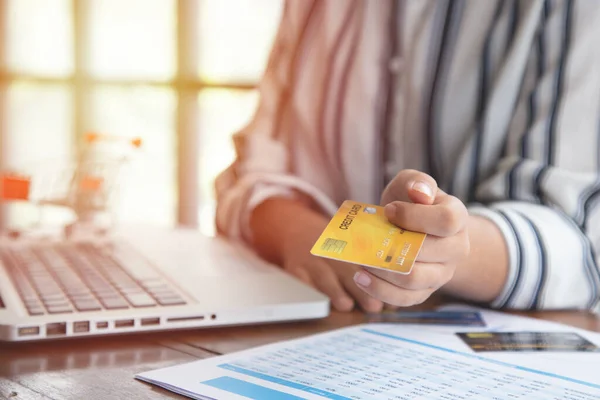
(139, 280)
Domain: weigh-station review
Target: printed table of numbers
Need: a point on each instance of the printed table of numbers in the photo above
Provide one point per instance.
(368, 364)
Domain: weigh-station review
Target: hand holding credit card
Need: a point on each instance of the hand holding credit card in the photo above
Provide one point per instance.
(360, 233)
(411, 247)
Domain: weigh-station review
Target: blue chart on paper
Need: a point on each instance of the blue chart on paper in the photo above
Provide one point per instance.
(368, 364)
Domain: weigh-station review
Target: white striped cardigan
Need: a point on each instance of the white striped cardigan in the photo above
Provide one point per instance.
(498, 100)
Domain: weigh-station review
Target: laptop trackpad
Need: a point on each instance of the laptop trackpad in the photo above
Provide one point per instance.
(236, 292)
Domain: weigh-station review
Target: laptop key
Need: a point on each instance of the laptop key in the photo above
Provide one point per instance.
(36, 307)
(133, 289)
(115, 303)
(171, 301)
(82, 296)
(29, 298)
(161, 289)
(153, 283)
(53, 297)
(165, 294)
(57, 303)
(140, 300)
(127, 285)
(63, 309)
(48, 292)
(87, 305)
(32, 306)
(83, 292)
(108, 294)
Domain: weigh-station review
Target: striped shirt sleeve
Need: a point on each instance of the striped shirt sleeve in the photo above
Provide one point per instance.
(544, 194)
(261, 169)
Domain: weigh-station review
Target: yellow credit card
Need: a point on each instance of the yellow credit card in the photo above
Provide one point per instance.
(361, 234)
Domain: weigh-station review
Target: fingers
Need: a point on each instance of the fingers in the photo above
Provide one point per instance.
(389, 293)
(302, 275)
(410, 186)
(441, 249)
(414, 202)
(366, 302)
(446, 218)
(422, 276)
(327, 282)
(335, 280)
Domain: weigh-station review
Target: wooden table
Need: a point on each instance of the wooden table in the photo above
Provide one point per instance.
(103, 368)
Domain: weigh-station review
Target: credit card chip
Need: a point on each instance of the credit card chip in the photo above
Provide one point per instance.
(334, 245)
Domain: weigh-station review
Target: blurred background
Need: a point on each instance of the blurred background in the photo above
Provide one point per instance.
(180, 74)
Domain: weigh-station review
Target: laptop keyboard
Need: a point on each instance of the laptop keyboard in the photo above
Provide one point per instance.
(78, 277)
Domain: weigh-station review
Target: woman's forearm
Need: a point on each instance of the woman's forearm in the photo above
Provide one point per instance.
(274, 222)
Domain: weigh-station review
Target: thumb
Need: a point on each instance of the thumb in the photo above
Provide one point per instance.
(421, 192)
(410, 186)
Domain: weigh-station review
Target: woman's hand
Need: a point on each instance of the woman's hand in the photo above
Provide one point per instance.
(333, 278)
(413, 202)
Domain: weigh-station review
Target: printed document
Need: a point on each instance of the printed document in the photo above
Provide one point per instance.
(387, 361)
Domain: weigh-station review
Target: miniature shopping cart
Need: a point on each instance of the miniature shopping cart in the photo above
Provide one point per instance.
(87, 186)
